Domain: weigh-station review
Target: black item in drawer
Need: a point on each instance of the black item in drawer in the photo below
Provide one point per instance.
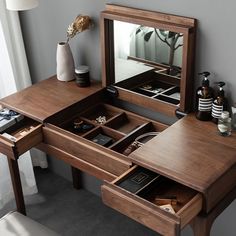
(138, 180)
(103, 140)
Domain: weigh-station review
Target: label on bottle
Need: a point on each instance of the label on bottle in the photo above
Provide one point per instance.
(216, 110)
(205, 104)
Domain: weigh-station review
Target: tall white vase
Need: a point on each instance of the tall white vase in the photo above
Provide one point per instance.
(65, 62)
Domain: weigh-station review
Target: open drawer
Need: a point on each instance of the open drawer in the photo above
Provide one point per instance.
(20, 137)
(153, 200)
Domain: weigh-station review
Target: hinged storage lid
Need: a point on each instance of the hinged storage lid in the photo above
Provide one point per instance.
(47, 98)
(148, 57)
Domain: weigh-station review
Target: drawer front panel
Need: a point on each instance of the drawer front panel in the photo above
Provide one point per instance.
(7, 148)
(30, 140)
(139, 211)
(85, 152)
(139, 194)
(76, 162)
(21, 144)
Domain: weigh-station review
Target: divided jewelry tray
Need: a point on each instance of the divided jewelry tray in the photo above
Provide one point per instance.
(154, 84)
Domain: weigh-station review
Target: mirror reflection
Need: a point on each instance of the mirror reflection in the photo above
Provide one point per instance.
(139, 49)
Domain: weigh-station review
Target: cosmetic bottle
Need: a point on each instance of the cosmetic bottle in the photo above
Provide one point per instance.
(234, 116)
(224, 124)
(219, 104)
(204, 96)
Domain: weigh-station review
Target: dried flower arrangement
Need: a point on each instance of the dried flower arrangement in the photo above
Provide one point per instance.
(80, 24)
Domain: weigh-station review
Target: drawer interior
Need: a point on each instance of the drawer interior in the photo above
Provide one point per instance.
(19, 130)
(110, 127)
(167, 194)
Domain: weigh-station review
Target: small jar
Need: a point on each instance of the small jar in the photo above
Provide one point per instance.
(82, 76)
(224, 124)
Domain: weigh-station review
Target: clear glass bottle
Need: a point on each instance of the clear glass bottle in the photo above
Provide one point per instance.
(224, 124)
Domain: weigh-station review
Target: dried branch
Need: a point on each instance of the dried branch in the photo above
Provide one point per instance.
(164, 41)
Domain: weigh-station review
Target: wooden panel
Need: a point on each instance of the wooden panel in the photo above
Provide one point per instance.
(90, 152)
(196, 156)
(151, 14)
(190, 210)
(14, 149)
(47, 98)
(33, 138)
(144, 101)
(76, 162)
(131, 206)
(7, 148)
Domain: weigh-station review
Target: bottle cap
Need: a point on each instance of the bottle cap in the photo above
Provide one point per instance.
(81, 69)
(225, 114)
(205, 81)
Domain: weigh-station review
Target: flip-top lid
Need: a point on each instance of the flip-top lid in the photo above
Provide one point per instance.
(48, 97)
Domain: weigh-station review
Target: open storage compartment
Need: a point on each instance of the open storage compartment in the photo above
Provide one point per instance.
(20, 137)
(101, 135)
(155, 86)
(153, 200)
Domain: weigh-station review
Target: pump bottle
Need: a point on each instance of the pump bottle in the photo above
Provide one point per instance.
(204, 96)
(219, 104)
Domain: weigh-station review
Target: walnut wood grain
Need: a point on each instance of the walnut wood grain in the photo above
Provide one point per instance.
(47, 98)
(141, 211)
(16, 183)
(76, 162)
(186, 21)
(86, 150)
(194, 154)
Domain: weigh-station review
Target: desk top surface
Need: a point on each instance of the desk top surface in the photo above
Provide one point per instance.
(47, 97)
(191, 152)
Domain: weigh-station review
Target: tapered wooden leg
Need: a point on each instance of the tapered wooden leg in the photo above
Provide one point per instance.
(201, 226)
(16, 183)
(76, 177)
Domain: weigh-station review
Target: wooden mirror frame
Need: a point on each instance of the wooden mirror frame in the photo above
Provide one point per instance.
(184, 25)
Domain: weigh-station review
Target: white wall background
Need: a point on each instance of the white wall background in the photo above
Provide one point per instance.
(46, 25)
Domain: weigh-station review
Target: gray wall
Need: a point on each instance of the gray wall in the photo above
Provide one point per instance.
(46, 25)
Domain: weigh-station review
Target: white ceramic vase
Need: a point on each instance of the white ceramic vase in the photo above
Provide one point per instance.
(65, 62)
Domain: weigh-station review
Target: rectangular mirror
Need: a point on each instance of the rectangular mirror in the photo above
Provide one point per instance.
(147, 45)
(148, 57)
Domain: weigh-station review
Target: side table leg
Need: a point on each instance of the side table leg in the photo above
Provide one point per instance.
(76, 177)
(201, 226)
(16, 183)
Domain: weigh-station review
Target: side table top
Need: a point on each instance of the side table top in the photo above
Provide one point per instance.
(191, 152)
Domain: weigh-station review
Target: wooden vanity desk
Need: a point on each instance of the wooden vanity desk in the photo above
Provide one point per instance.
(188, 162)
(189, 152)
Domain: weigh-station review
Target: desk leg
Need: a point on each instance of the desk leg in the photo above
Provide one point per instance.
(76, 177)
(16, 183)
(201, 224)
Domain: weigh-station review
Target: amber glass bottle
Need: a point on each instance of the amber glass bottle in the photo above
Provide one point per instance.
(204, 98)
(219, 104)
